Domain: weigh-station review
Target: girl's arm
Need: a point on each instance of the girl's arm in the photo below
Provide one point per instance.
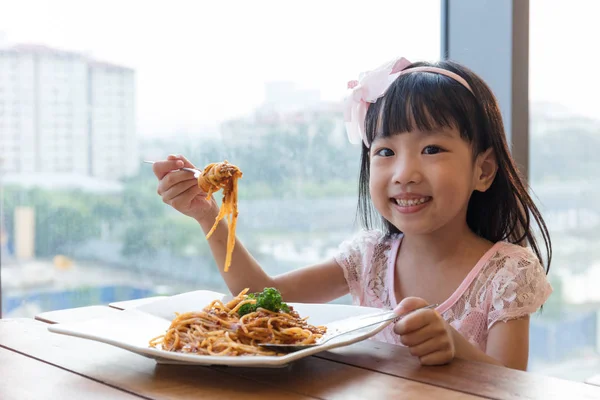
(507, 345)
(429, 337)
(319, 283)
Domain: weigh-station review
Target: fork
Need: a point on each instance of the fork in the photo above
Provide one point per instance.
(192, 170)
(388, 316)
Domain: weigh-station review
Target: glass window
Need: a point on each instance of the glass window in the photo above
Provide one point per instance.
(262, 92)
(564, 141)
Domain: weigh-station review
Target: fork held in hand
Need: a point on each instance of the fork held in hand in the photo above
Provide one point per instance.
(196, 172)
(389, 316)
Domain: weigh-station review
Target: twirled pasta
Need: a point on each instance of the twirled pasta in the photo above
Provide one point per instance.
(217, 176)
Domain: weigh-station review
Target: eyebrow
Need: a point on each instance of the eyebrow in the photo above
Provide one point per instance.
(436, 132)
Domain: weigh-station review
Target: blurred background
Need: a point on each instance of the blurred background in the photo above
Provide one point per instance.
(89, 89)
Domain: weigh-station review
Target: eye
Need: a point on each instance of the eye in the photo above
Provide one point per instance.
(429, 150)
(385, 152)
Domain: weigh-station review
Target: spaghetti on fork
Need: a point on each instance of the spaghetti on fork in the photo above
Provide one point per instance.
(217, 176)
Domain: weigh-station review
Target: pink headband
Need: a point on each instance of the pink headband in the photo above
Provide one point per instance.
(372, 85)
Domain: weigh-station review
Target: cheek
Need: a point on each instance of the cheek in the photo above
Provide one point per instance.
(373, 185)
(455, 179)
(377, 187)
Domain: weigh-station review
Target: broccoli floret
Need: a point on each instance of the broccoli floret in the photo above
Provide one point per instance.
(284, 308)
(269, 299)
(248, 307)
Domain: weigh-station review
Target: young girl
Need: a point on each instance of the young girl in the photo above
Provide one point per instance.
(455, 213)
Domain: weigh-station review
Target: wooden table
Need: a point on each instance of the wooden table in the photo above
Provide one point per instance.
(38, 364)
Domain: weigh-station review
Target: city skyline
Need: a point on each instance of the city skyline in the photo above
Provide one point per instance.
(199, 64)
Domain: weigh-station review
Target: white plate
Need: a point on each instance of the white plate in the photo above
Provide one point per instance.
(133, 328)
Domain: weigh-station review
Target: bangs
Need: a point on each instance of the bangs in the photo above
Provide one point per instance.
(422, 101)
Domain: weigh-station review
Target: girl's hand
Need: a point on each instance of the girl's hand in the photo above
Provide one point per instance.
(180, 190)
(425, 333)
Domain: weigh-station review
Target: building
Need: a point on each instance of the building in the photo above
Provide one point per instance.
(62, 113)
(113, 147)
(285, 109)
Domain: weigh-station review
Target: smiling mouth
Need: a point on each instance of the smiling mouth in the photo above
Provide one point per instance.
(411, 202)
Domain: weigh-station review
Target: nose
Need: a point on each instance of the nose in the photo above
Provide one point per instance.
(407, 170)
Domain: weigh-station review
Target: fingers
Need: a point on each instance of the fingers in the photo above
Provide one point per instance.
(415, 321)
(186, 162)
(162, 168)
(178, 189)
(415, 338)
(424, 332)
(170, 179)
(183, 201)
(430, 346)
(172, 163)
(409, 304)
(438, 357)
(174, 178)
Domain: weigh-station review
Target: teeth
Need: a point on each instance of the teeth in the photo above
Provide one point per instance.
(411, 202)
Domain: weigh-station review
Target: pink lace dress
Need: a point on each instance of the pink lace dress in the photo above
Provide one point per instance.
(508, 282)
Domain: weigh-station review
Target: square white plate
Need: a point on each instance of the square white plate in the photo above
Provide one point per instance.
(132, 329)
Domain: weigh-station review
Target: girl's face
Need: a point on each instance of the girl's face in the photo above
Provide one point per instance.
(422, 181)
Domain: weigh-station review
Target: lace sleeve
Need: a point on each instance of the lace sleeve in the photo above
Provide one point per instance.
(352, 256)
(519, 288)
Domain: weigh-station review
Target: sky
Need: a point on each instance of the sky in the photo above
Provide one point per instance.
(201, 62)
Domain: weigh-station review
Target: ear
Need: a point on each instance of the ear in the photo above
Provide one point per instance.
(486, 167)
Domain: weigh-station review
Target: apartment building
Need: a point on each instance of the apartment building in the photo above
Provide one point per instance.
(62, 113)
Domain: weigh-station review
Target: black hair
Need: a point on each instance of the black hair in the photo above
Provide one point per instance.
(428, 101)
